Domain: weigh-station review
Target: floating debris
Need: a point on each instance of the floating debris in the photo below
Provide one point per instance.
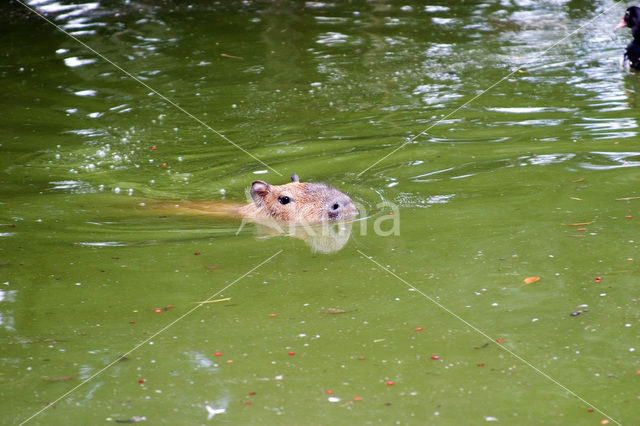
(134, 419)
(213, 301)
(213, 411)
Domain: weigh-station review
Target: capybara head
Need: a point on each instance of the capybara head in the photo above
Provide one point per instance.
(302, 202)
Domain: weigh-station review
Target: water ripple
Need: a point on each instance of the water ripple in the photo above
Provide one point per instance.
(610, 160)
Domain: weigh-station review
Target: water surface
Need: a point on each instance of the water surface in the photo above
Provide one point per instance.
(525, 180)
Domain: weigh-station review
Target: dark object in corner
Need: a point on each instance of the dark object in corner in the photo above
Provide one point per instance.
(631, 19)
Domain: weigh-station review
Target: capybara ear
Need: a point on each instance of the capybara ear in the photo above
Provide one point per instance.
(295, 178)
(259, 190)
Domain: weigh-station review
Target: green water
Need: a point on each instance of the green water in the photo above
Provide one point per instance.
(489, 196)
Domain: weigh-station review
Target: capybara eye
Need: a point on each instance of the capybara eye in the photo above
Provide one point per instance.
(284, 199)
(335, 206)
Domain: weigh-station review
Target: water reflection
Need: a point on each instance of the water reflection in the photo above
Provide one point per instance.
(432, 65)
(610, 160)
(324, 238)
(606, 128)
(632, 90)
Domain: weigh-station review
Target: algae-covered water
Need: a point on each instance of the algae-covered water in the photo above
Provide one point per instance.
(486, 142)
